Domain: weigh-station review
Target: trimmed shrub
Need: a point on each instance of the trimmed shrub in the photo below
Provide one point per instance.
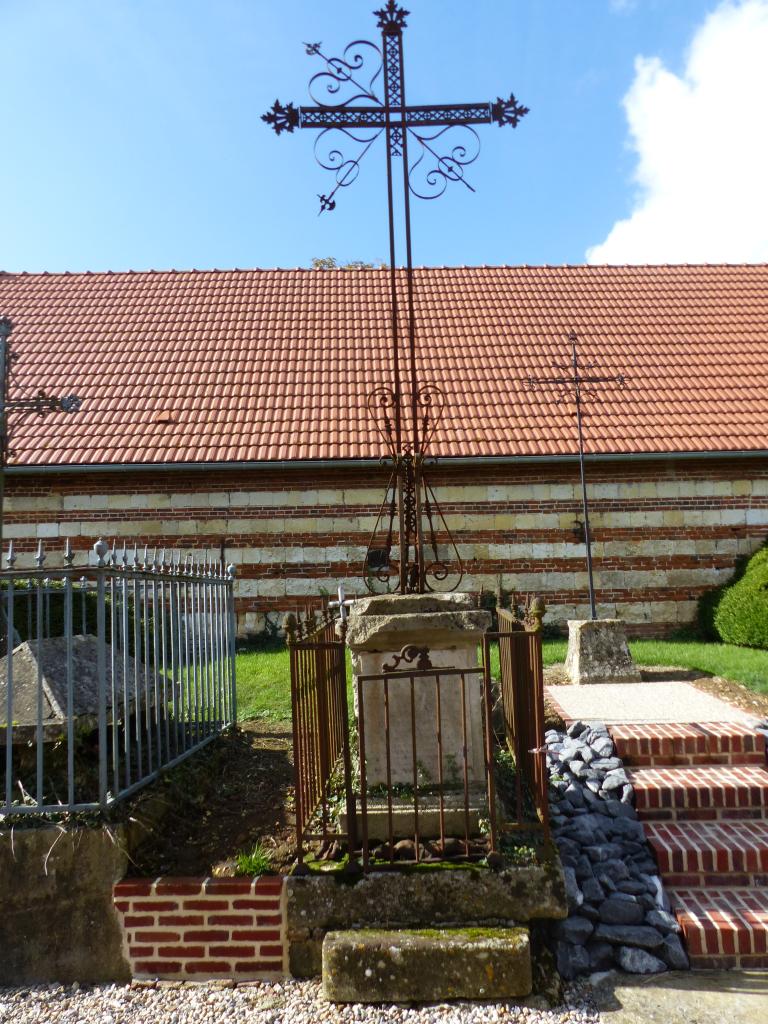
(740, 615)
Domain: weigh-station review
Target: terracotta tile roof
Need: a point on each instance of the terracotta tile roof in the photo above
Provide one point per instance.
(274, 364)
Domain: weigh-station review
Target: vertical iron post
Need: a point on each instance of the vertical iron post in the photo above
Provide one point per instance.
(584, 500)
(575, 385)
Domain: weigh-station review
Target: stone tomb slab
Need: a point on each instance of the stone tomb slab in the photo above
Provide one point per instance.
(613, 703)
(52, 663)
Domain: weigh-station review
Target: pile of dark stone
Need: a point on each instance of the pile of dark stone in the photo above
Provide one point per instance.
(618, 914)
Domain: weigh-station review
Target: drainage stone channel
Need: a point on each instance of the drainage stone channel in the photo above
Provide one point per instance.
(618, 914)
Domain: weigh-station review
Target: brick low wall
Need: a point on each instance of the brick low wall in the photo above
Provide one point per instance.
(201, 928)
(664, 530)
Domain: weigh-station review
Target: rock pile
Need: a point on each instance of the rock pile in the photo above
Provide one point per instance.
(618, 913)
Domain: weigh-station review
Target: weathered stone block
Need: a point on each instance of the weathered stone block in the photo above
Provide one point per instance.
(424, 897)
(424, 966)
(451, 627)
(58, 921)
(598, 652)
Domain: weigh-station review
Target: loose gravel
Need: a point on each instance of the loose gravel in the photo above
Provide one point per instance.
(289, 1002)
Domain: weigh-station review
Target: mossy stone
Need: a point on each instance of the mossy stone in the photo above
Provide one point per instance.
(375, 966)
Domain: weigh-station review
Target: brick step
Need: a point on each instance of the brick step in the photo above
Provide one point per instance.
(649, 745)
(723, 930)
(706, 854)
(715, 792)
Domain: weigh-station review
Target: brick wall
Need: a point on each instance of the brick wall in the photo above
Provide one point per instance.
(195, 928)
(664, 530)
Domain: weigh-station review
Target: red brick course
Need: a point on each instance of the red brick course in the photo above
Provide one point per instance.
(700, 793)
(674, 744)
(715, 870)
(227, 936)
(732, 923)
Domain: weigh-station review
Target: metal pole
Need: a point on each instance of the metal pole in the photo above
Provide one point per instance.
(584, 502)
(6, 327)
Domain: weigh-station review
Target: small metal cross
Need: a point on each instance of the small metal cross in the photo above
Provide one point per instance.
(360, 96)
(577, 386)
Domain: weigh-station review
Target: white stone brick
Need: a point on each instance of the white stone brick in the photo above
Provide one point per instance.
(303, 587)
(564, 492)
(668, 489)
(734, 516)
(47, 530)
(18, 530)
(603, 491)
(757, 516)
(635, 612)
(192, 499)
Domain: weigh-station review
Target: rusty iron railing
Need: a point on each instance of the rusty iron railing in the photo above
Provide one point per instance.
(321, 734)
(430, 795)
(381, 788)
(521, 680)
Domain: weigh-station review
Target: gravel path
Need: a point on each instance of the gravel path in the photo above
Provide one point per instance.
(290, 1002)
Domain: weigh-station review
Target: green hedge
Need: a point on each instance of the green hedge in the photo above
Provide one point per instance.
(737, 612)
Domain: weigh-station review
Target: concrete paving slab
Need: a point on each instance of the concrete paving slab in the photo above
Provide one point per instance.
(690, 997)
(644, 702)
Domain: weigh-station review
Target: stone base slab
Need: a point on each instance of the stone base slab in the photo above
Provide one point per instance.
(425, 966)
(429, 818)
(598, 652)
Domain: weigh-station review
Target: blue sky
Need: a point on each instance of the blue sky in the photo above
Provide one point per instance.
(133, 140)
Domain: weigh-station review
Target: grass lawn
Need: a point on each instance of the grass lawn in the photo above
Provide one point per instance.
(264, 684)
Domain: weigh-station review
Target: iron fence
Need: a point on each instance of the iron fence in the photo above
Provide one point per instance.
(414, 774)
(521, 685)
(110, 673)
(426, 763)
(321, 735)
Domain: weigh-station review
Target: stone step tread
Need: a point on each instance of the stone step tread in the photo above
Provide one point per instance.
(705, 786)
(650, 743)
(426, 965)
(710, 846)
(729, 922)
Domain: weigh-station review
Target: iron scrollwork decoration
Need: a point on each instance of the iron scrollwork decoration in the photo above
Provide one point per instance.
(409, 654)
(357, 98)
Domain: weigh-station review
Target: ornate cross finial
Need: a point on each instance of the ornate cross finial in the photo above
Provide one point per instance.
(508, 111)
(282, 117)
(391, 16)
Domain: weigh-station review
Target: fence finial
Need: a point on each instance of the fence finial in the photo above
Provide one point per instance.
(290, 627)
(69, 554)
(10, 558)
(40, 556)
(101, 549)
(536, 611)
(231, 571)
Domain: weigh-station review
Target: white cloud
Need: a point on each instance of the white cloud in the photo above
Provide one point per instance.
(702, 149)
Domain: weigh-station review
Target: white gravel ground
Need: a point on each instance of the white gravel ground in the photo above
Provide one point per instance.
(289, 1002)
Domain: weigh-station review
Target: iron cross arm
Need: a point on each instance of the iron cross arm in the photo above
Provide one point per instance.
(288, 117)
(581, 379)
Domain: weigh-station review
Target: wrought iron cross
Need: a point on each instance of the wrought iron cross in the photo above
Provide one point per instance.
(41, 403)
(360, 96)
(577, 386)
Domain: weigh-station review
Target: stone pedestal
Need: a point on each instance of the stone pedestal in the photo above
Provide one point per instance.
(598, 652)
(451, 627)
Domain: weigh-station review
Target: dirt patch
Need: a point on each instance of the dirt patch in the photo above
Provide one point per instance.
(235, 792)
